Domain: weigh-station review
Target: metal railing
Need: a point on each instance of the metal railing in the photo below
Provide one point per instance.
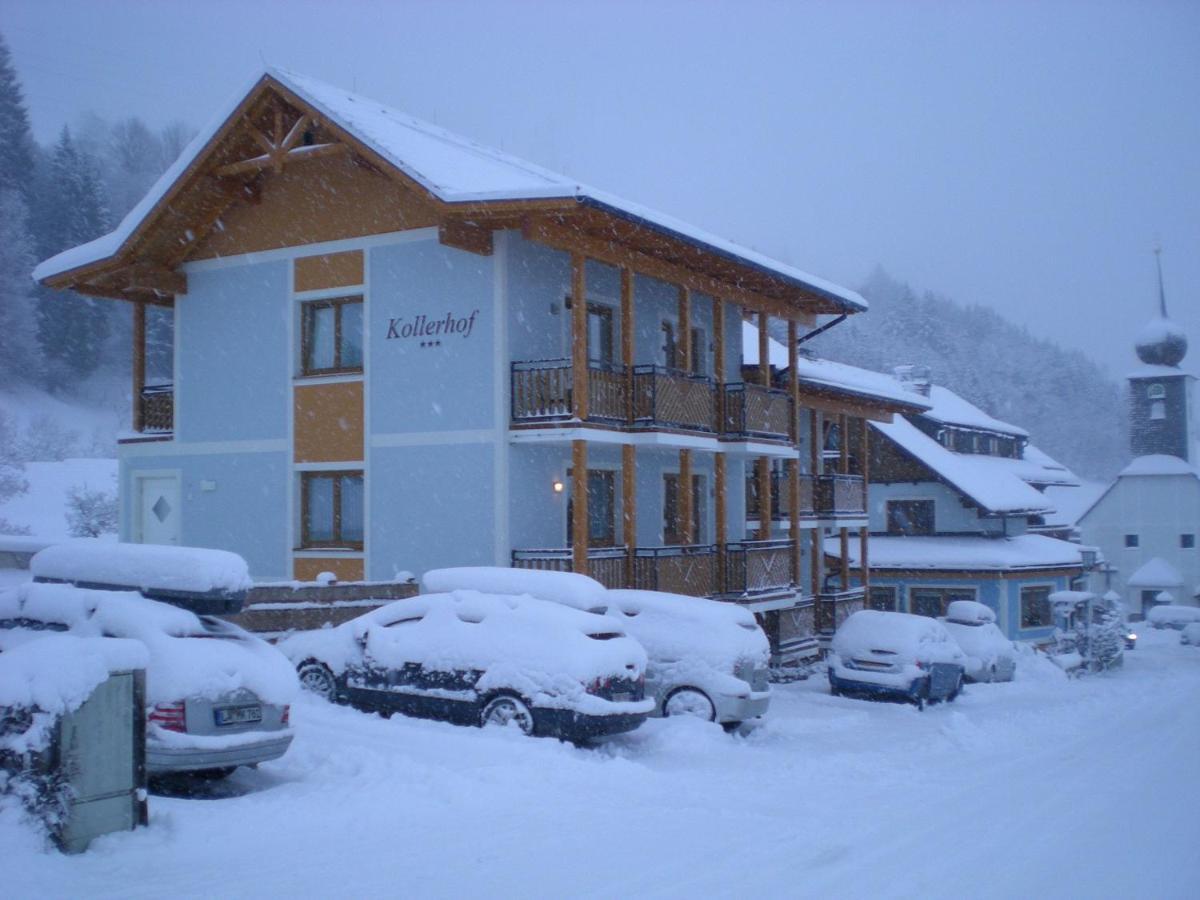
(752, 410)
(781, 498)
(840, 495)
(674, 399)
(606, 564)
(158, 408)
(834, 608)
(758, 567)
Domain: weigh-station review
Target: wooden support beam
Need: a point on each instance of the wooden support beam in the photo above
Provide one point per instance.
(685, 330)
(629, 508)
(465, 236)
(793, 468)
(864, 534)
(139, 365)
(579, 348)
(276, 159)
(686, 499)
(815, 447)
(720, 516)
(864, 540)
(844, 542)
(764, 350)
(579, 507)
(718, 318)
(261, 139)
(835, 406)
(843, 444)
(553, 233)
(816, 569)
(793, 381)
(763, 465)
(162, 281)
(295, 134)
(628, 335)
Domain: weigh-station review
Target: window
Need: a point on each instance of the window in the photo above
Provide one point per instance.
(600, 334)
(1131, 540)
(907, 517)
(1035, 607)
(932, 602)
(1187, 541)
(601, 511)
(882, 597)
(1157, 394)
(672, 524)
(669, 348)
(332, 336)
(699, 352)
(331, 509)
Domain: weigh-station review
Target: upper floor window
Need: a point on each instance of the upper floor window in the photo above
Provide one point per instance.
(331, 336)
(670, 348)
(910, 517)
(600, 334)
(699, 352)
(1187, 541)
(331, 509)
(1131, 540)
(1157, 394)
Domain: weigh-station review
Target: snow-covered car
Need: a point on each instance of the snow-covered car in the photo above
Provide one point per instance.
(1190, 634)
(896, 655)
(479, 659)
(990, 655)
(217, 697)
(706, 658)
(1170, 615)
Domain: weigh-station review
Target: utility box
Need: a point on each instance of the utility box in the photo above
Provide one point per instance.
(80, 767)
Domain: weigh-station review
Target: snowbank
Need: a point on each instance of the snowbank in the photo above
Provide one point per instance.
(574, 590)
(143, 566)
(43, 508)
(56, 673)
(1173, 616)
(969, 612)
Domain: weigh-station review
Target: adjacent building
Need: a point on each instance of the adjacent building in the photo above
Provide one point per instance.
(395, 350)
(1146, 522)
(958, 512)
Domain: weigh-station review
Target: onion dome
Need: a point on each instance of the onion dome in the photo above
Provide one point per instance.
(1161, 342)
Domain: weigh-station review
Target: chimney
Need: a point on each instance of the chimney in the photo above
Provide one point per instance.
(914, 378)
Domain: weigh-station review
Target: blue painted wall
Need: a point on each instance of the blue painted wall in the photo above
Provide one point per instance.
(234, 376)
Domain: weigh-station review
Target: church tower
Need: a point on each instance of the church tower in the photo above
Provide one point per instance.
(1160, 393)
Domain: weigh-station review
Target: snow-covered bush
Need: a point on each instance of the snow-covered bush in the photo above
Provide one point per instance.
(91, 513)
(45, 440)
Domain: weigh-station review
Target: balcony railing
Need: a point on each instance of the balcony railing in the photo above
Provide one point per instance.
(542, 391)
(605, 564)
(158, 409)
(840, 495)
(674, 399)
(754, 411)
(834, 608)
(781, 498)
(758, 567)
(690, 569)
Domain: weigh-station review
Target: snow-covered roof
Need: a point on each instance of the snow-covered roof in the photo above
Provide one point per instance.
(1155, 573)
(825, 373)
(1159, 464)
(452, 168)
(1035, 468)
(993, 487)
(1156, 371)
(973, 552)
(950, 409)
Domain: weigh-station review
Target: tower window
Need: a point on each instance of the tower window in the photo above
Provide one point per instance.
(1156, 392)
(1187, 541)
(1131, 540)
(1157, 395)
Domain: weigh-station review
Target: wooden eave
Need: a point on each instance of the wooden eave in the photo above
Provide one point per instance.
(253, 144)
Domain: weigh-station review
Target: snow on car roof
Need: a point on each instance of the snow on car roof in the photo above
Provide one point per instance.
(570, 588)
(964, 552)
(875, 629)
(673, 627)
(144, 566)
(453, 168)
(992, 487)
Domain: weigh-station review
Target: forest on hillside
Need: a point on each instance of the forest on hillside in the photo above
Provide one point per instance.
(1072, 409)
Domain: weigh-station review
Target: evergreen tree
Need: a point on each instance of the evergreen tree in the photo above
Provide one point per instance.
(16, 141)
(71, 210)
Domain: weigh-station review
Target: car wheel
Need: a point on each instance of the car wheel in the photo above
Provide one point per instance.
(690, 702)
(213, 774)
(506, 710)
(316, 677)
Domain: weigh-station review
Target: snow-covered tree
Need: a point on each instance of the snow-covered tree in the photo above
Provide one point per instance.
(12, 472)
(16, 141)
(91, 513)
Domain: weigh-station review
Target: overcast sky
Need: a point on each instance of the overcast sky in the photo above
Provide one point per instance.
(1026, 156)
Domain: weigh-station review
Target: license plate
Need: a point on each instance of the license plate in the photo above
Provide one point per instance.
(237, 715)
(622, 697)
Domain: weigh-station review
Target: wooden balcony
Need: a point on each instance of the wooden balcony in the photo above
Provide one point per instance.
(839, 495)
(758, 567)
(756, 412)
(157, 409)
(688, 570)
(667, 398)
(606, 564)
(542, 392)
(834, 608)
(781, 505)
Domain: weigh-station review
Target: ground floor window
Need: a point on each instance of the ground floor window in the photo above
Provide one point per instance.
(882, 597)
(932, 602)
(331, 509)
(601, 510)
(1035, 607)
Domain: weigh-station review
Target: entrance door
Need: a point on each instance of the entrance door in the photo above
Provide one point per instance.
(158, 510)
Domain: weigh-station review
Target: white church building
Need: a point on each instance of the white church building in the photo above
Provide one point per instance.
(1146, 522)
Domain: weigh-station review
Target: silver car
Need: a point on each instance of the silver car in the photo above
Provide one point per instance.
(218, 696)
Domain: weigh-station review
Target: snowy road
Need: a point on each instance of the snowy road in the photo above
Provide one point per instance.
(1044, 787)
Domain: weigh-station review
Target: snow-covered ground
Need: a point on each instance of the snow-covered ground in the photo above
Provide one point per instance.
(1044, 787)
(43, 508)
